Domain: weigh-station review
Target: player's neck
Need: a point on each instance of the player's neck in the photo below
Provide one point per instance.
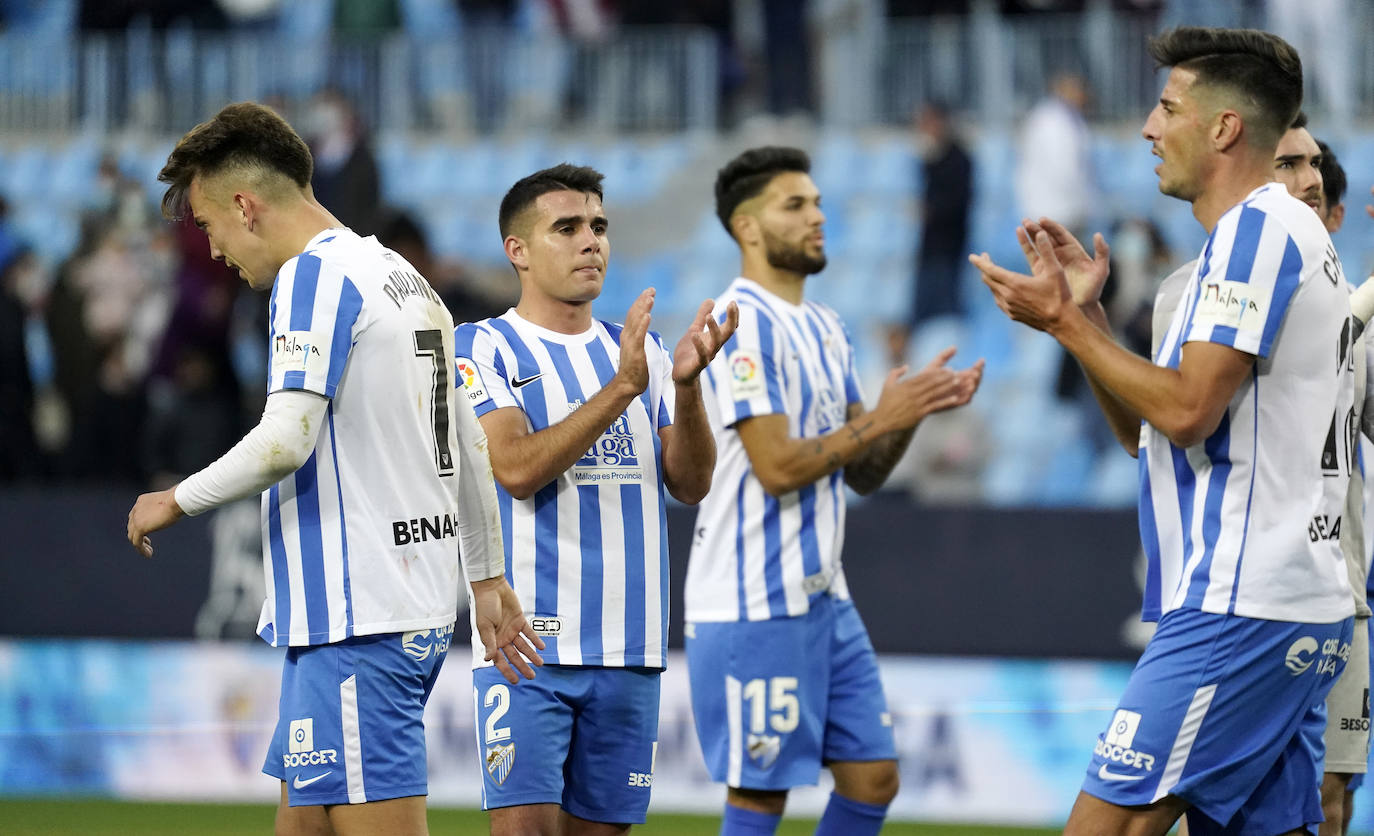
(1231, 182)
(555, 314)
(300, 225)
(785, 284)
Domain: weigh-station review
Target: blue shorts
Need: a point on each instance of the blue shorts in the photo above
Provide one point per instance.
(350, 727)
(775, 700)
(1226, 713)
(580, 737)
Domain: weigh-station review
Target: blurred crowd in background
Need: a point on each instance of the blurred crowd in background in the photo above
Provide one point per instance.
(130, 356)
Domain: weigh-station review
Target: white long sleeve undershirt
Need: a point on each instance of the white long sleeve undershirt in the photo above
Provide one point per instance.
(281, 442)
(284, 439)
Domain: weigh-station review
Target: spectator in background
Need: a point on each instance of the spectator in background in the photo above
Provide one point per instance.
(346, 181)
(848, 36)
(1334, 184)
(1054, 168)
(787, 56)
(947, 175)
(194, 408)
(106, 314)
(1321, 31)
(399, 231)
(19, 457)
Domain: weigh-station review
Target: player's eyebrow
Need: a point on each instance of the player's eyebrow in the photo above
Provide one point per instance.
(1290, 158)
(578, 220)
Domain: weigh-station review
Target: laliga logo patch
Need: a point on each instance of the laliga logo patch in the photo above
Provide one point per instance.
(471, 380)
(743, 367)
(499, 761)
(746, 380)
(763, 749)
(414, 646)
(1300, 657)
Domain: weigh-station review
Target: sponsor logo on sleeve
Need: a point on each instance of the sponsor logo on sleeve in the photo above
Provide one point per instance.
(746, 375)
(299, 351)
(471, 380)
(1231, 305)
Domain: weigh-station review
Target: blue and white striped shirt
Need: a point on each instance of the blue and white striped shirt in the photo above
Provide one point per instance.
(756, 556)
(1247, 522)
(364, 537)
(588, 552)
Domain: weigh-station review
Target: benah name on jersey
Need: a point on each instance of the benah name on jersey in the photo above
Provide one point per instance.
(400, 286)
(422, 529)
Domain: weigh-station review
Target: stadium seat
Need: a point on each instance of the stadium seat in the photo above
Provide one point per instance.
(890, 170)
(74, 171)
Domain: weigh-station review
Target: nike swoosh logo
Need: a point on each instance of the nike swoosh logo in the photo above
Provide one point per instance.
(1107, 775)
(517, 382)
(300, 785)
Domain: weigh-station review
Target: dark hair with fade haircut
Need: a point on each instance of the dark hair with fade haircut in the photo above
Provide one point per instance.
(1334, 182)
(1259, 67)
(246, 136)
(559, 178)
(747, 175)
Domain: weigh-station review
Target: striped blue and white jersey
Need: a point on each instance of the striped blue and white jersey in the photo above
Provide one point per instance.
(364, 537)
(588, 552)
(1247, 522)
(756, 556)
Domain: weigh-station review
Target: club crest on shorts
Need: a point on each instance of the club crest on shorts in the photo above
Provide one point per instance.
(763, 749)
(499, 760)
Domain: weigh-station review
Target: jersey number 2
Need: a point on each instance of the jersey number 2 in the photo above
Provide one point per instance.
(430, 343)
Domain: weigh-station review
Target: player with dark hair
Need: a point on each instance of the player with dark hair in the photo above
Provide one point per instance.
(1242, 426)
(361, 535)
(588, 423)
(784, 678)
(1334, 185)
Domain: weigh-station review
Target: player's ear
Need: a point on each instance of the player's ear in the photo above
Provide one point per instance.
(246, 208)
(1335, 218)
(516, 252)
(746, 227)
(1227, 128)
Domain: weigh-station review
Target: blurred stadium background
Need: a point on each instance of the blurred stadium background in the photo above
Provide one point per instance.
(997, 573)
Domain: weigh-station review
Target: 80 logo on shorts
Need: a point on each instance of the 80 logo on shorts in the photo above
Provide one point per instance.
(300, 746)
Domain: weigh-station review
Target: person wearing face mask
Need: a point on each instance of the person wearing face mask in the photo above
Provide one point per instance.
(346, 179)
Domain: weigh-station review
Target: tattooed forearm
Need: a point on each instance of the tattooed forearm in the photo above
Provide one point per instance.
(867, 471)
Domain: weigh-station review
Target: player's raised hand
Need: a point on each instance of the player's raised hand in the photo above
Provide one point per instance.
(506, 634)
(1086, 274)
(634, 366)
(702, 341)
(904, 401)
(1039, 299)
(152, 512)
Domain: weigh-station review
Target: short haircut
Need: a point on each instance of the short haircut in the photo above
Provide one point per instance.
(1334, 182)
(747, 175)
(1261, 72)
(245, 138)
(562, 177)
(1299, 121)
